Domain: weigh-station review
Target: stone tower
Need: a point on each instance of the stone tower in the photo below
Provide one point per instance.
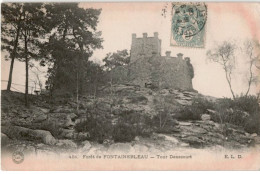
(145, 46)
(148, 66)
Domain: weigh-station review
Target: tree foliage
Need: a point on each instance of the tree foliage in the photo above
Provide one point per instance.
(224, 55)
(73, 40)
(11, 27)
(26, 23)
(227, 54)
(60, 35)
(119, 58)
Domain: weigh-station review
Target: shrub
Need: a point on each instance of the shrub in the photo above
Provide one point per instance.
(98, 127)
(124, 132)
(243, 111)
(129, 125)
(193, 112)
(252, 125)
(137, 99)
(248, 104)
(164, 122)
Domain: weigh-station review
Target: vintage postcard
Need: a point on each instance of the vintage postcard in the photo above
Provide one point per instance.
(130, 86)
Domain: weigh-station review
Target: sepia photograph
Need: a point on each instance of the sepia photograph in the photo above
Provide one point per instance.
(130, 86)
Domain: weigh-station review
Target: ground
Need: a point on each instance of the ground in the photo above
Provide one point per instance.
(58, 127)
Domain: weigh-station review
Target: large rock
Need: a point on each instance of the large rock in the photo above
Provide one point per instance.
(40, 118)
(63, 120)
(86, 146)
(120, 147)
(193, 129)
(4, 139)
(205, 117)
(169, 138)
(193, 141)
(62, 109)
(67, 143)
(44, 110)
(17, 132)
(182, 123)
(67, 133)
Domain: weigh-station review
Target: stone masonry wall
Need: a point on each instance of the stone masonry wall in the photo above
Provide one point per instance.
(161, 72)
(147, 66)
(145, 46)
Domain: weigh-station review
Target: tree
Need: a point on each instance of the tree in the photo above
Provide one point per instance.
(73, 40)
(120, 58)
(11, 27)
(95, 77)
(224, 55)
(32, 30)
(28, 19)
(35, 70)
(252, 52)
(113, 60)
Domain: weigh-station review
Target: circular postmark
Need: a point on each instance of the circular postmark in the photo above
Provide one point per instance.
(18, 157)
(188, 20)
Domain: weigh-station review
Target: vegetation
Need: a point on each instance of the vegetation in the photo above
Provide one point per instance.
(242, 111)
(199, 106)
(125, 129)
(226, 54)
(60, 35)
(28, 19)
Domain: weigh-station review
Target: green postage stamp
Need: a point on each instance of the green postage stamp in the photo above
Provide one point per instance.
(188, 24)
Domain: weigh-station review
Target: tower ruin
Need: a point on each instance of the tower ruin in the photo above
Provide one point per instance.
(147, 66)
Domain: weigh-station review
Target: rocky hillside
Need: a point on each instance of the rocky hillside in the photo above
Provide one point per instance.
(122, 116)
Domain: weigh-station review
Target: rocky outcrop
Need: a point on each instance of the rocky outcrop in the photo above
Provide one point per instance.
(54, 127)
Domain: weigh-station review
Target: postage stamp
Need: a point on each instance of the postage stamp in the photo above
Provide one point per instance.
(188, 24)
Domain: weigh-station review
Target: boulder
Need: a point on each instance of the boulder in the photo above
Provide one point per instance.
(45, 110)
(17, 132)
(164, 92)
(24, 115)
(4, 139)
(62, 109)
(184, 144)
(63, 120)
(205, 117)
(40, 118)
(67, 143)
(169, 138)
(67, 133)
(137, 138)
(120, 147)
(193, 141)
(184, 102)
(46, 137)
(86, 146)
(182, 123)
(193, 130)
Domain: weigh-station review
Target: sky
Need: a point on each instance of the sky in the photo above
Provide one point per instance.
(234, 22)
